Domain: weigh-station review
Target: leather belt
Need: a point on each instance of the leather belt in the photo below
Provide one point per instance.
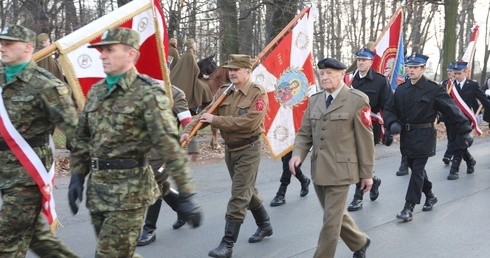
(101, 164)
(409, 127)
(233, 145)
(34, 142)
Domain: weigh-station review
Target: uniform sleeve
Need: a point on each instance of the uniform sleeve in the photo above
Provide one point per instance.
(390, 114)
(180, 107)
(364, 139)
(452, 113)
(386, 93)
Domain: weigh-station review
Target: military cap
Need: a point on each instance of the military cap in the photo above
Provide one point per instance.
(460, 66)
(173, 41)
(416, 60)
(365, 53)
(451, 66)
(331, 63)
(18, 33)
(42, 37)
(238, 61)
(189, 42)
(124, 36)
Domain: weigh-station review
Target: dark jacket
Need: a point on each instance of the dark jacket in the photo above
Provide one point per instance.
(376, 87)
(470, 93)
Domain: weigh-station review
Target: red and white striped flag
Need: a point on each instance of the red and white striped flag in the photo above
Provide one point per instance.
(288, 77)
(470, 49)
(82, 65)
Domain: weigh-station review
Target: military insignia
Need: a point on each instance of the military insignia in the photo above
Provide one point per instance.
(366, 117)
(259, 105)
(260, 78)
(84, 61)
(281, 133)
(302, 41)
(104, 35)
(143, 24)
(292, 87)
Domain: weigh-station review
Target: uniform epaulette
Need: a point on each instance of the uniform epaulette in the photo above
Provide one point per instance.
(357, 92)
(44, 72)
(379, 74)
(431, 81)
(317, 93)
(147, 79)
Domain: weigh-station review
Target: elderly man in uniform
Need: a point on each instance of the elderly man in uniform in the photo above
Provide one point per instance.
(33, 103)
(411, 112)
(378, 90)
(338, 121)
(240, 118)
(48, 62)
(173, 53)
(126, 114)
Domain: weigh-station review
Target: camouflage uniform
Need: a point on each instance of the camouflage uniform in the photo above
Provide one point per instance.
(123, 124)
(36, 101)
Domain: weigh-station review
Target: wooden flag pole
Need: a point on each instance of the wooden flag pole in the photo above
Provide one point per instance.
(44, 52)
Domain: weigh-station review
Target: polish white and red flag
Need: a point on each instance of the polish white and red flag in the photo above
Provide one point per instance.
(469, 53)
(287, 75)
(82, 65)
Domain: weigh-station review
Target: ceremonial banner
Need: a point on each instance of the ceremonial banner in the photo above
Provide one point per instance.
(470, 50)
(388, 48)
(288, 77)
(398, 76)
(82, 65)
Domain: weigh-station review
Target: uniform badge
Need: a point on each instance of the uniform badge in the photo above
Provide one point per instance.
(259, 105)
(366, 117)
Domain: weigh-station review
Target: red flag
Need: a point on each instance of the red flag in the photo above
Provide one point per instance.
(470, 50)
(82, 65)
(288, 77)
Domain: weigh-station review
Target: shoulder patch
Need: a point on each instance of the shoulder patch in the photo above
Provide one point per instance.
(62, 89)
(147, 79)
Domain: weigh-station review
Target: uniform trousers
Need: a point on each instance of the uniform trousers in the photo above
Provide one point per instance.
(336, 222)
(243, 167)
(22, 227)
(451, 137)
(286, 173)
(117, 231)
(419, 182)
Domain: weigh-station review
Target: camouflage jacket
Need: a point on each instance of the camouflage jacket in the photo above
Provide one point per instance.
(36, 102)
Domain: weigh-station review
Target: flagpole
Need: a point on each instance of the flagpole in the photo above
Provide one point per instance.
(44, 52)
(259, 57)
(383, 32)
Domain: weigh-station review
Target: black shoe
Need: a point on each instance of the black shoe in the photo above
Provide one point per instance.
(406, 213)
(178, 223)
(305, 188)
(446, 160)
(361, 253)
(429, 203)
(147, 237)
(374, 193)
(454, 171)
(355, 205)
(470, 166)
(278, 200)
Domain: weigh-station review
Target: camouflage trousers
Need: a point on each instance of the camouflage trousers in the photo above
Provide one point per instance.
(117, 232)
(22, 227)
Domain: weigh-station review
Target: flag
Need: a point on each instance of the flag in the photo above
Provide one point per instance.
(470, 49)
(398, 76)
(288, 77)
(388, 47)
(82, 65)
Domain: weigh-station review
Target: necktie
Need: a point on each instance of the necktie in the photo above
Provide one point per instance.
(329, 100)
(458, 86)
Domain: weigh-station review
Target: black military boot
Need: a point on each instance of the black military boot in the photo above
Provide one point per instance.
(446, 160)
(172, 199)
(374, 193)
(361, 253)
(225, 247)
(470, 162)
(406, 213)
(280, 196)
(305, 184)
(430, 200)
(263, 223)
(148, 234)
(403, 169)
(189, 209)
(356, 203)
(454, 171)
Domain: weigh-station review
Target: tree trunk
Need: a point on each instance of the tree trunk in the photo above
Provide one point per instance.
(245, 27)
(449, 41)
(229, 27)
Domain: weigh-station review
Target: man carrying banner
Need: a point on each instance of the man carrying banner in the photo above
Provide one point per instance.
(447, 85)
(411, 112)
(33, 102)
(240, 119)
(125, 115)
(378, 90)
(338, 122)
(465, 92)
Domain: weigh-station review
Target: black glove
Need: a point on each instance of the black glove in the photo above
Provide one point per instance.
(75, 191)
(395, 128)
(388, 138)
(189, 209)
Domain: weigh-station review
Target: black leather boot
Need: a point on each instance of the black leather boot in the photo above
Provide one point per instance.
(470, 162)
(172, 199)
(361, 253)
(446, 160)
(356, 203)
(263, 223)
(454, 171)
(406, 213)
(430, 200)
(374, 193)
(189, 209)
(148, 234)
(305, 184)
(225, 247)
(280, 199)
(403, 169)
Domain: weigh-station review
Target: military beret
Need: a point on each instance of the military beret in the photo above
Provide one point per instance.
(238, 61)
(189, 42)
(365, 53)
(416, 60)
(124, 36)
(331, 63)
(18, 33)
(460, 66)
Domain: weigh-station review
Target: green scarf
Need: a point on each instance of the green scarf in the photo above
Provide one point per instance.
(13, 70)
(111, 80)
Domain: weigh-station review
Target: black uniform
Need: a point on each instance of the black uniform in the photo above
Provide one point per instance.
(379, 91)
(415, 107)
(450, 144)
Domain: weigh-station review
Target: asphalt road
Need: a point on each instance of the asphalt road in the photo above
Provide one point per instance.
(457, 227)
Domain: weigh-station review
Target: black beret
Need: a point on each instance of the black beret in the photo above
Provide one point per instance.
(331, 63)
